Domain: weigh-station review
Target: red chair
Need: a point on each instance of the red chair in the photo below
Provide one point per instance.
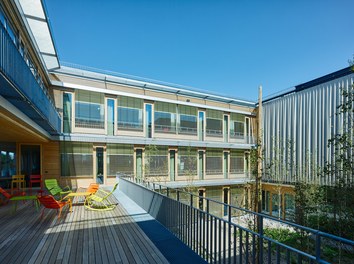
(35, 178)
(49, 202)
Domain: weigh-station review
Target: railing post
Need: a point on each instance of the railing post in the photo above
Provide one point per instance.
(260, 244)
(177, 195)
(318, 247)
(167, 192)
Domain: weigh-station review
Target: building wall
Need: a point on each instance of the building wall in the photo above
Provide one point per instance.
(296, 130)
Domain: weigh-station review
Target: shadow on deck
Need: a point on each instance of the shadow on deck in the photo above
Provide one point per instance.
(82, 236)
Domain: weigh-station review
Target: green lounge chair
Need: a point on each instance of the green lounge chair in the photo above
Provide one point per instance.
(54, 188)
(99, 201)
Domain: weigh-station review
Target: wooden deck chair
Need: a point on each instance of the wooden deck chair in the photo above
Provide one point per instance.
(99, 201)
(49, 202)
(54, 188)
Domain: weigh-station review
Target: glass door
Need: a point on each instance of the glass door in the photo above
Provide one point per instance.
(172, 165)
(110, 116)
(99, 165)
(148, 120)
(201, 124)
(139, 163)
(201, 165)
(30, 160)
(226, 200)
(248, 132)
(226, 128)
(226, 165)
(67, 112)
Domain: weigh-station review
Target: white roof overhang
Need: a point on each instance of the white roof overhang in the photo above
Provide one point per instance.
(37, 19)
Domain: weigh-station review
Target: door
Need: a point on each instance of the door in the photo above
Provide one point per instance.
(201, 165)
(226, 200)
(110, 116)
(226, 128)
(201, 124)
(201, 199)
(99, 165)
(226, 165)
(148, 120)
(30, 160)
(139, 163)
(248, 131)
(172, 165)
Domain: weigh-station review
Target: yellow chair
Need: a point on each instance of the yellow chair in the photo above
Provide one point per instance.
(20, 182)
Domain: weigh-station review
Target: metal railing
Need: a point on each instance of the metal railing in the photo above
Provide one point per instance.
(213, 133)
(89, 123)
(15, 69)
(165, 129)
(134, 126)
(187, 130)
(239, 235)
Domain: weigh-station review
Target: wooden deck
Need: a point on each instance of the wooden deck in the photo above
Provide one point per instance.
(82, 236)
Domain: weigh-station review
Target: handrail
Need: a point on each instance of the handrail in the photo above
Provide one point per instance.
(308, 229)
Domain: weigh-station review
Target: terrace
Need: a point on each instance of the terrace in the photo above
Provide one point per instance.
(85, 236)
(156, 224)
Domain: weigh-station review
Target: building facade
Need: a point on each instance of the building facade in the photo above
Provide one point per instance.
(297, 127)
(83, 125)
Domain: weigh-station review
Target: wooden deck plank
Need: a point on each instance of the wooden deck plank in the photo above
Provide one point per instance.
(83, 236)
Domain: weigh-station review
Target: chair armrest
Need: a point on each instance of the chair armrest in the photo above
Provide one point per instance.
(67, 188)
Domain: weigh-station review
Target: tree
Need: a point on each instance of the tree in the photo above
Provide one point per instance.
(340, 170)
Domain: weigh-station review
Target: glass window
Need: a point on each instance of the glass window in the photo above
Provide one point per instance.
(187, 123)
(130, 113)
(89, 109)
(215, 193)
(214, 123)
(156, 161)
(165, 122)
(76, 159)
(237, 196)
(289, 206)
(165, 117)
(187, 161)
(214, 159)
(120, 159)
(8, 159)
(237, 164)
(237, 128)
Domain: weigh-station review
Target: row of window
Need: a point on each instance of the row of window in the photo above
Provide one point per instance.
(132, 114)
(14, 35)
(77, 160)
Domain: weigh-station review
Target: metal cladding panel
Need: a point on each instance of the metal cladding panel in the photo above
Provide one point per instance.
(296, 130)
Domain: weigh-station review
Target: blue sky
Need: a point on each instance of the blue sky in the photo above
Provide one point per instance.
(226, 47)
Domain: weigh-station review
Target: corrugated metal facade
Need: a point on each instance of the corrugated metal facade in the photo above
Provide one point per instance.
(296, 130)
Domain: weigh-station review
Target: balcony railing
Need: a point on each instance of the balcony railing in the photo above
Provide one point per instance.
(25, 92)
(165, 129)
(132, 126)
(237, 235)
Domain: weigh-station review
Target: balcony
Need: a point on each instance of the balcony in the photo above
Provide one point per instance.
(20, 88)
(221, 233)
